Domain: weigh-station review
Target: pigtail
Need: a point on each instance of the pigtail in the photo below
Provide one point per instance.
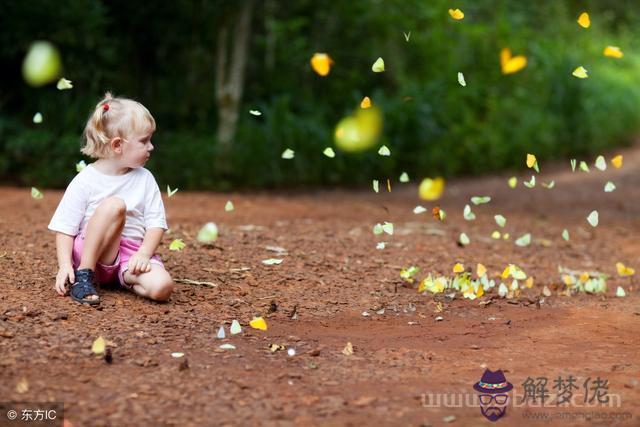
(96, 140)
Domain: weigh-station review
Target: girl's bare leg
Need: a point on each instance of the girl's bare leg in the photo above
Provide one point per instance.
(102, 235)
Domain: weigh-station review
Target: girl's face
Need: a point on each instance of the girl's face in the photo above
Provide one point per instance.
(136, 149)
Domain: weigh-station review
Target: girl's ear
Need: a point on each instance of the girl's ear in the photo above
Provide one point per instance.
(116, 145)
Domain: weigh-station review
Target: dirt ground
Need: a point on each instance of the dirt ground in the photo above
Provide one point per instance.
(314, 302)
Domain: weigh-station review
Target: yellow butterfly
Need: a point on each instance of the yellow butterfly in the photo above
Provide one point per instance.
(431, 189)
(366, 102)
(456, 14)
(613, 52)
(98, 346)
(258, 323)
(583, 20)
(511, 64)
(458, 268)
(321, 63)
(624, 270)
(481, 270)
(617, 161)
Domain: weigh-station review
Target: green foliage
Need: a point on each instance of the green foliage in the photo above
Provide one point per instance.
(165, 57)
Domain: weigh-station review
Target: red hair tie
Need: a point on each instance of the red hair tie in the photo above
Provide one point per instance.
(105, 107)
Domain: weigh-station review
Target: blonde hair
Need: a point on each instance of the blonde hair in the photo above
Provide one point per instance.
(114, 117)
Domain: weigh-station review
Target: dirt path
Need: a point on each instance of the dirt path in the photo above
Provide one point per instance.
(330, 275)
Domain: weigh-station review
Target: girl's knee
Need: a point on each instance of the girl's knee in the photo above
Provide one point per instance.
(113, 206)
(162, 290)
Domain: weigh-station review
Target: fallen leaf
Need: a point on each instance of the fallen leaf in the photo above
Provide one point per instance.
(348, 350)
(22, 386)
(98, 346)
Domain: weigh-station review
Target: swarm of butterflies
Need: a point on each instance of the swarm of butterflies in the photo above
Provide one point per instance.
(360, 131)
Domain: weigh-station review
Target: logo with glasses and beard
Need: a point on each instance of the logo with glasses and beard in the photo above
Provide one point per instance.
(493, 389)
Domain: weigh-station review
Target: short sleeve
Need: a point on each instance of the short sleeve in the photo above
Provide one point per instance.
(154, 215)
(70, 212)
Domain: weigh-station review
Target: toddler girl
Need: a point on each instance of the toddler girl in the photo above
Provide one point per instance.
(111, 219)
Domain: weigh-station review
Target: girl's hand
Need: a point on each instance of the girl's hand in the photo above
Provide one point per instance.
(65, 274)
(139, 263)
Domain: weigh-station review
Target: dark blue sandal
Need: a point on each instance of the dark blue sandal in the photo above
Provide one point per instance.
(84, 286)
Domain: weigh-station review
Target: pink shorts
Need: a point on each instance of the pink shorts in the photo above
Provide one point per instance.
(115, 272)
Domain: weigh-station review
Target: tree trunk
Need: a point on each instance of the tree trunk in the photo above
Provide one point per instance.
(230, 70)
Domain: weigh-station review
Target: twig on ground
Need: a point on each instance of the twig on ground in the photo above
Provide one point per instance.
(196, 282)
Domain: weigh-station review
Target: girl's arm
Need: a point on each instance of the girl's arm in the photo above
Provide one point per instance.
(64, 249)
(152, 239)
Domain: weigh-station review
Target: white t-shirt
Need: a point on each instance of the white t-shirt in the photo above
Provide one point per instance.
(138, 189)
